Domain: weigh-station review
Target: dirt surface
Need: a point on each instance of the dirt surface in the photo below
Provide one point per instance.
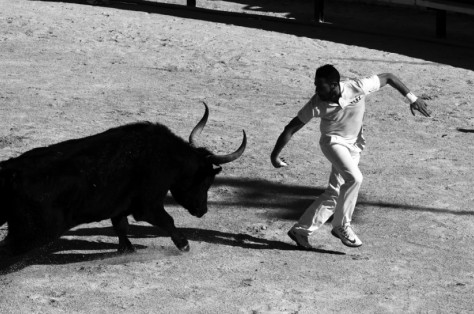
(70, 69)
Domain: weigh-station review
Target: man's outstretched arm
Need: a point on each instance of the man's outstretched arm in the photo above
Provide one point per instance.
(415, 102)
(294, 126)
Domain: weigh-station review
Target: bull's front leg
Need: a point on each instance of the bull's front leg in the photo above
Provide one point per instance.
(120, 225)
(160, 218)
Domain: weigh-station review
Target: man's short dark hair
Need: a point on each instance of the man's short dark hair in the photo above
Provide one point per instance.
(329, 73)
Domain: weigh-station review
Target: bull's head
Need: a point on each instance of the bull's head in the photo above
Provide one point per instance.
(192, 194)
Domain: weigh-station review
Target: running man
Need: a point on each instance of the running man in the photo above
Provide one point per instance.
(341, 106)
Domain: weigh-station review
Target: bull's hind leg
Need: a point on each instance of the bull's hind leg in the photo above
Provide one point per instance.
(120, 225)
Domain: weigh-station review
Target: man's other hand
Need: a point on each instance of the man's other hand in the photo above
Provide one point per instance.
(420, 106)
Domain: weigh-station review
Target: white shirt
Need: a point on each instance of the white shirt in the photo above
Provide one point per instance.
(342, 121)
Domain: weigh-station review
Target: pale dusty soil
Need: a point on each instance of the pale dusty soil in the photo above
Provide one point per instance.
(69, 70)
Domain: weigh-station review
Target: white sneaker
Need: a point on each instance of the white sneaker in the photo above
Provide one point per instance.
(301, 240)
(347, 236)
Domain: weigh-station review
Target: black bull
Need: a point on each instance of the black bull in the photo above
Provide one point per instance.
(124, 171)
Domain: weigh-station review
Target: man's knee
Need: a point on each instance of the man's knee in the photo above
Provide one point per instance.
(359, 178)
(355, 178)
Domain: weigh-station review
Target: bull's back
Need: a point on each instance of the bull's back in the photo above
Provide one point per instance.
(62, 151)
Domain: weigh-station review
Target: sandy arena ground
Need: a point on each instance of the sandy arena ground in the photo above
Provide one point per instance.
(68, 69)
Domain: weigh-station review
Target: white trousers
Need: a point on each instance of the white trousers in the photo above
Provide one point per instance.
(340, 197)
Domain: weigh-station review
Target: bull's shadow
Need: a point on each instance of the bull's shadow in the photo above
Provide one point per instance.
(64, 251)
(242, 240)
(46, 254)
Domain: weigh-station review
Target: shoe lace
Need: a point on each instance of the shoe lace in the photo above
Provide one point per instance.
(348, 232)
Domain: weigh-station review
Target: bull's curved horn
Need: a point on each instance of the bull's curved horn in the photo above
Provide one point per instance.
(198, 128)
(222, 159)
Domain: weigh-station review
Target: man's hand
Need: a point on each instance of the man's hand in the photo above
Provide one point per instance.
(421, 106)
(278, 162)
(292, 127)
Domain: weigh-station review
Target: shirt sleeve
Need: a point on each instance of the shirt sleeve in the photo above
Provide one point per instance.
(309, 110)
(369, 84)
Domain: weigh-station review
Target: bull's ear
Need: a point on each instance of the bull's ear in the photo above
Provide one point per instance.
(216, 170)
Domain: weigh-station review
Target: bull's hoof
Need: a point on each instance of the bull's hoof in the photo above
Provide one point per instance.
(184, 248)
(182, 245)
(181, 242)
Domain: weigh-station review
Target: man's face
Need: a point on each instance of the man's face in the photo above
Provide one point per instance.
(328, 91)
